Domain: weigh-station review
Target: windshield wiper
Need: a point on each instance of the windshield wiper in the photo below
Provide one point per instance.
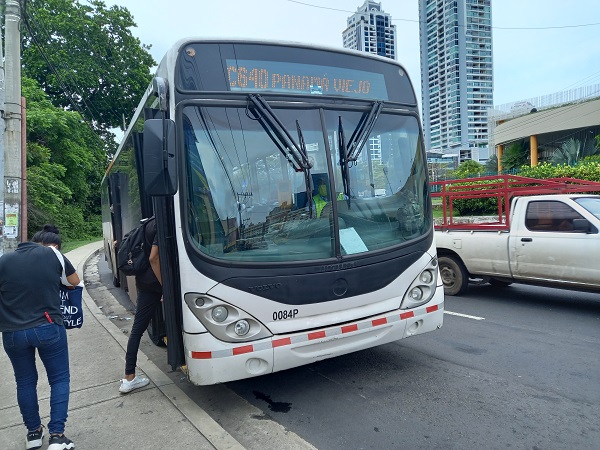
(294, 153)
(362, 132)
(307, 177)
(278, 134)
(349, 152)
(344, 160)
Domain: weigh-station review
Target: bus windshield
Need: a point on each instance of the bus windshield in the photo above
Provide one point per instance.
(247, 199)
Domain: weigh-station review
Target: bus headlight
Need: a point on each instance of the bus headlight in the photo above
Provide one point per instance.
(416, 294)
(223, 320)
(219, 314)
(426, 276)
(421, 290)
(241, 327)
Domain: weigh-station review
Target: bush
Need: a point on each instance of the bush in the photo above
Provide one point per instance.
(475, 206)
(70, 221)
(586, 169)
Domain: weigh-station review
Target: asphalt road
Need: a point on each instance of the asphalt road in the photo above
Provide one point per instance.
(517, 367)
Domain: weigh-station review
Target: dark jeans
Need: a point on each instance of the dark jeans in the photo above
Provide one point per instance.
(50, 340)
(147, 304)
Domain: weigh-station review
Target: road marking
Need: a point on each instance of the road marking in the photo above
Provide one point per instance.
(464, 315)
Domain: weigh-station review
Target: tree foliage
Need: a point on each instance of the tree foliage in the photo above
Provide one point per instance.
(588, 169)
(82, 71)
(469, 168)
(491, 165)
(516, 155)
(572, 151)
(92, 53)
(65, 163)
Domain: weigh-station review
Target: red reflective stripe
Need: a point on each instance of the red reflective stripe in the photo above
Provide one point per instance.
(242, 350)
(316, 335)
(282, 341)
(313, 335)
(349, 328)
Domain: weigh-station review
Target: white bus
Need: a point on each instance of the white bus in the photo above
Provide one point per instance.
(264, 164)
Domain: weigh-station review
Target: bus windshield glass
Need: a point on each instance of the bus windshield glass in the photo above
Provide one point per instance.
(248, 199)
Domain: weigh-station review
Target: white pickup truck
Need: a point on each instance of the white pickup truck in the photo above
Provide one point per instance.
(549, 240)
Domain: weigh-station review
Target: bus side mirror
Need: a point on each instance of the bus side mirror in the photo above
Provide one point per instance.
(159, 168)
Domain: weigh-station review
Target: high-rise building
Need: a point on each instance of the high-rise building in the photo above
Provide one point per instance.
(456, 75)
(370, 30)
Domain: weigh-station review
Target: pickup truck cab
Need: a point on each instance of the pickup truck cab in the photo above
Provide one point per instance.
(549, 240)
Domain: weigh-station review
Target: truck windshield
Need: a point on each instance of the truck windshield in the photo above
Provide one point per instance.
(247, 202)
(592, 204)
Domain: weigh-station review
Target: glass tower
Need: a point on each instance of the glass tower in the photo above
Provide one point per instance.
(456, 75)
(370, 30)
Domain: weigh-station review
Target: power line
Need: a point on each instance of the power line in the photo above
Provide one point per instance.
(54, 71)
(72, 89)
(106, 114)
(61, 83)
(418, 21)
(67, 90)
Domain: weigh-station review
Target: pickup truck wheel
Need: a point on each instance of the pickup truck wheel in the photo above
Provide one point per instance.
(454, 275)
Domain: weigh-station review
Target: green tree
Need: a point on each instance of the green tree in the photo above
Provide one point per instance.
(92, 54)
(572, 151)
(491, 165)
(65, 163)
(516, 155)
(469, 168)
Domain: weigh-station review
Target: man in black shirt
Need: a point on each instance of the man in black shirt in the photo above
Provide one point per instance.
(30, 320)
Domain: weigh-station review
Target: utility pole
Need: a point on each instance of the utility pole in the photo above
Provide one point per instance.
(2, 127)
(12, 182)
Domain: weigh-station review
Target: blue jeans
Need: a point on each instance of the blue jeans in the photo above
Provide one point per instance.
(50, 340)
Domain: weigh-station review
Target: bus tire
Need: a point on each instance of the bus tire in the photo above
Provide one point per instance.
(157, 339)
(454, 275)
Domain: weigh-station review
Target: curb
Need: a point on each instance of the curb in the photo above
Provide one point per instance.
(205, 424)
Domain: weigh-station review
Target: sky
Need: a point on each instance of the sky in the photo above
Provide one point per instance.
(539, 46)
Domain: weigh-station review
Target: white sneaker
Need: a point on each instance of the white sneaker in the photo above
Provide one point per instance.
(137, 382)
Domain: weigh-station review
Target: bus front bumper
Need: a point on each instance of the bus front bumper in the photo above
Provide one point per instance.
(210, 361)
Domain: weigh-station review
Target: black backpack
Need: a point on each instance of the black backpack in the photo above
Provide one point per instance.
(133, 251)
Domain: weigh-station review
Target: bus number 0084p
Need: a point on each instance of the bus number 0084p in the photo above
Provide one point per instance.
(285, 314)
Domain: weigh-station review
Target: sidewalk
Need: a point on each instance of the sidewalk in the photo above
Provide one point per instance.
(159, 416)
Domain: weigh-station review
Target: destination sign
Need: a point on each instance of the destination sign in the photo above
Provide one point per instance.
(298, 78)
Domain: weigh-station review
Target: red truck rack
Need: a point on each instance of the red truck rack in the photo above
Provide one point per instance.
(503, 188)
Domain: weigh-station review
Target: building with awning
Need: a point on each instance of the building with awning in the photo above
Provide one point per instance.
(545, 128)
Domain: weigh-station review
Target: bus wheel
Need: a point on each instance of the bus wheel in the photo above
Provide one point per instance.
(158, 340)
(454, 275)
